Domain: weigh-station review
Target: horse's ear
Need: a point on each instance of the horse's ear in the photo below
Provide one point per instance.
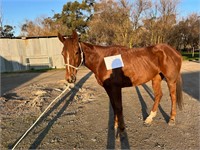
(74, 35)
(61, 38)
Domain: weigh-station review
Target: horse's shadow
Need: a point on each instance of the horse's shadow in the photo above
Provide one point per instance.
(72, 94)
(112, 133)
(144, 106)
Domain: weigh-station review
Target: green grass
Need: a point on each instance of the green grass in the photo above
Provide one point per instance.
(188, 56)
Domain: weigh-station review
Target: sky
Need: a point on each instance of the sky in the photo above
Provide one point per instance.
(15, 12)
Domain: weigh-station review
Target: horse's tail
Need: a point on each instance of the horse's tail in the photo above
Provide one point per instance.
(179, 96)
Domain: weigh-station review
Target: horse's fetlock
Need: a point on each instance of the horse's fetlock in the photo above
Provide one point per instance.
(149, 119)
(152, 114)
(116, 125)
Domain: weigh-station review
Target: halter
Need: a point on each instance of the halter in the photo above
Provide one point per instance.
(67, 64)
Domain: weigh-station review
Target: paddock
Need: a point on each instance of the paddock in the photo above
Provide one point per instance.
(74, 122)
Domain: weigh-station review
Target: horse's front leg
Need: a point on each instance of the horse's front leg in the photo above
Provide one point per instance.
(115, 96)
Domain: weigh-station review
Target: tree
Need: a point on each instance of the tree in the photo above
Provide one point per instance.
(39, 27)
(117, 22)
(185, 35)
(5, 30)
(74, 15)
(159, 22)
(111, 23)
(168, 11)
(1, 22)
(193, 26)
(139, 9)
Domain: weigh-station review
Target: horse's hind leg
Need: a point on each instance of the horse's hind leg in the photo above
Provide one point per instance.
(156, 84)
(172, 90)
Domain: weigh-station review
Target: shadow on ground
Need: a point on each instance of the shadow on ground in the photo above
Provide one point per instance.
(112, 133)
(191, 87)
(70, 96)
(144, 106)
(11, 79)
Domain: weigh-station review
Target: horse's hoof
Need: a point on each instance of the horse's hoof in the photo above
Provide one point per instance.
(147, 124)
(120, 133)
(148, 121)
(117, 134)
(171, 122)
(123, 134)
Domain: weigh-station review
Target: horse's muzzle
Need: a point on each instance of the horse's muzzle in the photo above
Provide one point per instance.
(71, 79)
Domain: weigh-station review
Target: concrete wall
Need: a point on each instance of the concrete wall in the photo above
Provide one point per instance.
(13, 52)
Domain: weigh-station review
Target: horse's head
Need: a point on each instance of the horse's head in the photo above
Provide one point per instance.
(72, 54)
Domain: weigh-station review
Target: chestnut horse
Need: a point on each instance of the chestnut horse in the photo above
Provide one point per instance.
(140, 66)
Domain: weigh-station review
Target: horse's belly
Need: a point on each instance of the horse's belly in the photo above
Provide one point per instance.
(141, 78)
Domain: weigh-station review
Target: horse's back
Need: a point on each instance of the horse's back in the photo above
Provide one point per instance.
(141, 64)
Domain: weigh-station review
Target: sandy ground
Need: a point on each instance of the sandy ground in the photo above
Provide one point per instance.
(83, 118)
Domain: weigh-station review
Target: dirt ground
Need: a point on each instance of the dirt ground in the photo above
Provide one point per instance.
(83, 118)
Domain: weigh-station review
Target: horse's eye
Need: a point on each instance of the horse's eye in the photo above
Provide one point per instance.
(76, 53)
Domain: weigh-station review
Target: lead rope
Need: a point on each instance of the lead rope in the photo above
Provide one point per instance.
(58, 97)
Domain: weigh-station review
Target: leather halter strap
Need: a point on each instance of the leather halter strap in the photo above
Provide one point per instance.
(67, 64)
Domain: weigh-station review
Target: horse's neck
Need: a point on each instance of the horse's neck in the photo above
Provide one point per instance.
(90, 56)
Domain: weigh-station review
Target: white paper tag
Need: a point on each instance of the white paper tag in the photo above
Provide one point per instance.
(113, 62)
